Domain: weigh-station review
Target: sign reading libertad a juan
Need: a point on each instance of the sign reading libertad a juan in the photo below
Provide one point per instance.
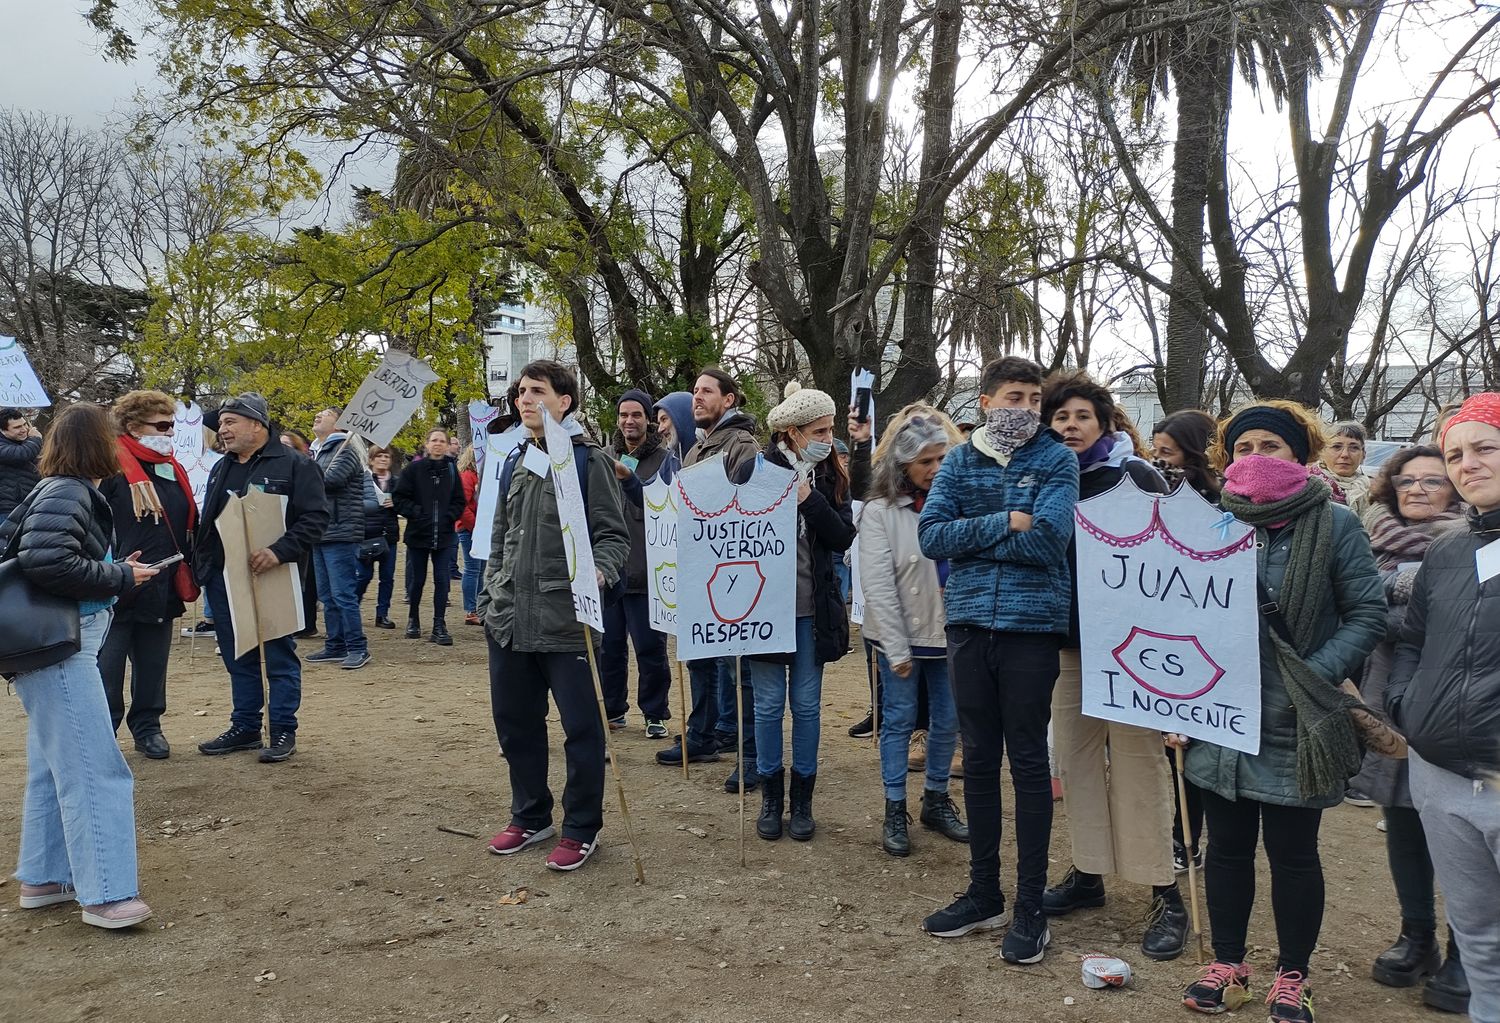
(389, 396)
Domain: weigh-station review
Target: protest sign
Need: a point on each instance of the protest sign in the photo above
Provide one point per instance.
(497, 449)
(736, 561)
(583, 578)
(266, 606)
(387, 399)
(19, 385)
(661, 552)
(856, 591)
(197, 473)
(1167, 612)
(187, 433)
(481, 414)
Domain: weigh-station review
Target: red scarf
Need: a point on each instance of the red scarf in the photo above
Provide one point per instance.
(133, 453)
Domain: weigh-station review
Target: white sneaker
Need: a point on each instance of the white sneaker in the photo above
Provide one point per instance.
(115, 915)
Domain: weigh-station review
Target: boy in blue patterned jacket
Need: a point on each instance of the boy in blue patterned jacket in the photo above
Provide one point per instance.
(1001, 513)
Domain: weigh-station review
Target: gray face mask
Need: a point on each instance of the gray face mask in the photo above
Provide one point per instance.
(817, 450)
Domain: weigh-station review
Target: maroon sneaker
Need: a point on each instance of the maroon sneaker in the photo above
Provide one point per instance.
(515, 838)
(570, 854)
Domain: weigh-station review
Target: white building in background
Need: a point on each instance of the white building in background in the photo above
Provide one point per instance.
(507, 347)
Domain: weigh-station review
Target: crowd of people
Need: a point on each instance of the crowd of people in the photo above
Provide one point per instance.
(1382, 586)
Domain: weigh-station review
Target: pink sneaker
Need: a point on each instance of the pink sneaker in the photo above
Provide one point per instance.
(515, 838)
(114, 915)
(35, 896)
(570, 854)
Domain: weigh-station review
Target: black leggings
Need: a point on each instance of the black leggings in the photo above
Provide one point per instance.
(1194, 808)
(1411, 865)
(1290, 834)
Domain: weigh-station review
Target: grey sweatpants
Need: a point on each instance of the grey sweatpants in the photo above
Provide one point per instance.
(1462, 820)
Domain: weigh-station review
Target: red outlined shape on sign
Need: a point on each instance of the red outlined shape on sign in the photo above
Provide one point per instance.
(1136, 632)
(760, 587)
(1158, 527)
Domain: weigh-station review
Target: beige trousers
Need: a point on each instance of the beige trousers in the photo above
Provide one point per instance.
(1117, 787)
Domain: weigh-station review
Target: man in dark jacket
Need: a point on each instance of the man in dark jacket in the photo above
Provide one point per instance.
(638, 456)
(253, 457)
(340, 457)
(430, 496)
(20, 446)
(536, 645)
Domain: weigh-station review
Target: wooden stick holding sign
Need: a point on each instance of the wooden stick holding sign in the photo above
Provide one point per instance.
(682, 709)
(1192, 871)
(609, 753)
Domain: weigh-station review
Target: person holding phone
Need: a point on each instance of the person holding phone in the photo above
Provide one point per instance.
(151, 499)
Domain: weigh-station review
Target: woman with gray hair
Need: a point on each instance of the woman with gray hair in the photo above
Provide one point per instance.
(904, 620)
(1343, 456)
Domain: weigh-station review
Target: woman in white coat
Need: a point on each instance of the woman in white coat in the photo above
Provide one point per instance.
(903, 594)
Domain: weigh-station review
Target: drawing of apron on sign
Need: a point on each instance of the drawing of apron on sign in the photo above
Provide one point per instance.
(736, 561)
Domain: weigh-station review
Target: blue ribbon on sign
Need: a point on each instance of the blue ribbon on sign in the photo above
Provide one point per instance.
(1224, 524)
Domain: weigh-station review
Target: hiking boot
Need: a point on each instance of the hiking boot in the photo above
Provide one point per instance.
(671, 756)
(916, 753)
(153, 746)
(439, 634)
(355, 660)
(570, 854)
(894, 837)
(36, 896)
(968, 913)
(324, 655)
(941, 815)
(1166, 927)
(772, 806)
(515, 838)
(752, 779)
(283, 745)
(1290, 998)
(382, 622)
(656, 728)
(1180, 858)
(1027, 940)
(115, 915)
(1223, 987)
(802, 825)
(864, 729)
(1414, 955)
(236, 738)
(1077, 891)
(413, 629)
(1448, 988)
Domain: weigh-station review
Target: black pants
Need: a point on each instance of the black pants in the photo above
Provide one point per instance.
(416, 579)
(1411, 865)
(1194, 808)
(147, 645)
(629, 618)
(519, 684)
(1290, 834)
(1002, 684)
(309, 593)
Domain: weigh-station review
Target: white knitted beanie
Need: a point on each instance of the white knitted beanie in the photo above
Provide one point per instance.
(800, 406)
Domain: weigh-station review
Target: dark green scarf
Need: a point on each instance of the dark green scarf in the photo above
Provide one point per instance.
(1328, 750)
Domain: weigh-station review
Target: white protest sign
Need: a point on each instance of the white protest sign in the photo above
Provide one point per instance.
(481, 414)
(582, 576)
(187, 433)
(856, 590)
(19, 385)
(863, 380)
(197, 473)
(661, 552)
(736, 561)
(388, 398)
(1167, 611)
(497, 449)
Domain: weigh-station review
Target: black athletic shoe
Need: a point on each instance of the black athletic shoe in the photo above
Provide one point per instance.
(1077, 891)
(1180, 858)
(235, 739)
(283, 745)
(968, 913)
(1027, 940)
(671, 756)
(864, 729)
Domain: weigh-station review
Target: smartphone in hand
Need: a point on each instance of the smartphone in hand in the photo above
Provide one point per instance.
(164, 562)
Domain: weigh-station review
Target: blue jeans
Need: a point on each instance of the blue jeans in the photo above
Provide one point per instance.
(703, 681)
(283, 672)
(473, 571)
(801, 685)
(727, 707)
(387, 565)
(78, 818)
(208, 611)
(898, 716)
(845, 575)
(337, 565)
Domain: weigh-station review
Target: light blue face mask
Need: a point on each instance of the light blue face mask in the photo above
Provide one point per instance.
(816, 451)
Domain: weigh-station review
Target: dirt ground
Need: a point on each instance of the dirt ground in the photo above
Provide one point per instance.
(322, 889)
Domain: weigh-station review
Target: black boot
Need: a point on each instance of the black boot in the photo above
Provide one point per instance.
(1077, 891)
(1166, 927)
(1448, 988)
(772, 805)
(439, 633)
(894, 838)
(413, 628)
(802, 823)
(939, 814)
(1414, 955)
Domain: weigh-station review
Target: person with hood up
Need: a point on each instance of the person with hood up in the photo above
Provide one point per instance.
(674, 424)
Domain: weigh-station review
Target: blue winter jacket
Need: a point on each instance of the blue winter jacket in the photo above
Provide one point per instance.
(999, 579)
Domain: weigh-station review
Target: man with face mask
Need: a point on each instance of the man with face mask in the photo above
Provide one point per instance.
(1001, 512)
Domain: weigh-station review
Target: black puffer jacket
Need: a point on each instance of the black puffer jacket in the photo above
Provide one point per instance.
(652, 456)
(17, 470)
(155, 600)
(343, 490)
(1444, 692)
(64, 536)
(430, 497)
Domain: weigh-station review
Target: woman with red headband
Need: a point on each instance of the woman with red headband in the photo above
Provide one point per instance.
(1444, 693)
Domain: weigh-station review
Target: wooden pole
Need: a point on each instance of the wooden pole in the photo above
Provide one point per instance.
(682, 707)
(1182, 804)
(614, 765)
(739, 731)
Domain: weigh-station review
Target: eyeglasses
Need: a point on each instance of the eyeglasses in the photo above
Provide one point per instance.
(1429, 484)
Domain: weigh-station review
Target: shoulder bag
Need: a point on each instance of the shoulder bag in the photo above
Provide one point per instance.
(37, 628)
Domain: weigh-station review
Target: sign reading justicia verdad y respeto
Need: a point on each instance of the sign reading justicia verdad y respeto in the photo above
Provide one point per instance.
(1168, 615)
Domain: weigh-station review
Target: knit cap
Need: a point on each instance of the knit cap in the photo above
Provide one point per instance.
(647, 403)
(799, 406)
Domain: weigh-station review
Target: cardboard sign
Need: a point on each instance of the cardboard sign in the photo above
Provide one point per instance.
(197, 473)
(481, 414)
(19, 385)
(389, 397)
(187, 433)
(856, 590)
(583, 578)
(1168, 613)
(497, 449)
(736, 561)
(661, 552)
(266, 606)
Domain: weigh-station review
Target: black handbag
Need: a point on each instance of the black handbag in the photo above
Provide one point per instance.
(373, 549)
(37, 629)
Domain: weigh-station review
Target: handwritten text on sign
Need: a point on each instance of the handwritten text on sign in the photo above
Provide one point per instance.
(582, 576)
(1167, 613)
(661, 553)
(736, 561)
(19, 385)
(389, 396)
